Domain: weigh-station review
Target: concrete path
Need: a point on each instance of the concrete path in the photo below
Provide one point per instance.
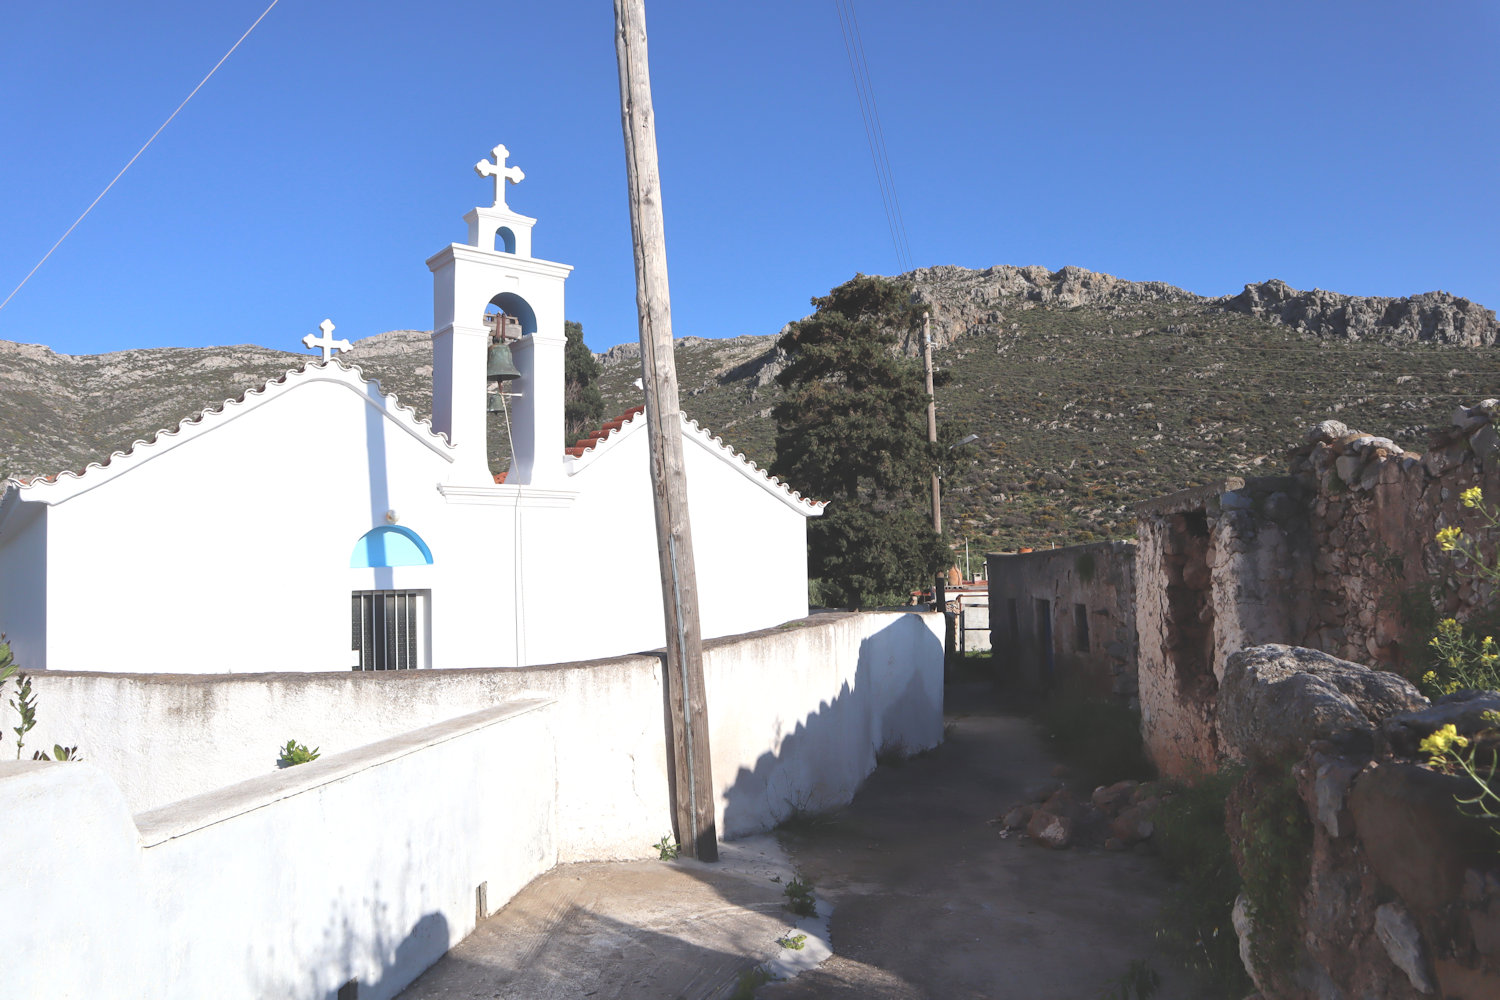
(627, 930)
(929, 902)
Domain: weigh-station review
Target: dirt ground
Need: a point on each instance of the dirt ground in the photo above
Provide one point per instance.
(930, 902)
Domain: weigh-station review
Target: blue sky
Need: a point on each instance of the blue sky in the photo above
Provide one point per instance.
(1342, 145)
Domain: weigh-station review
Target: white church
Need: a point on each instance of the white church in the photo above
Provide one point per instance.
(317, 524)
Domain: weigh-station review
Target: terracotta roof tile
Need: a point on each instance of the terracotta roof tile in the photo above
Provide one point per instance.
(583, 444)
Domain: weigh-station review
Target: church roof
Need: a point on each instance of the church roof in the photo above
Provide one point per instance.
(57, 487)
(587, 449)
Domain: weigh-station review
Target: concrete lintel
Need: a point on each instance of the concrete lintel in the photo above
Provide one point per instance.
(1186, 500)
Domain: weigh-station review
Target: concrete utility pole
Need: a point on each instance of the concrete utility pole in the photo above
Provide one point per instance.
(940, 584)
(692, 771)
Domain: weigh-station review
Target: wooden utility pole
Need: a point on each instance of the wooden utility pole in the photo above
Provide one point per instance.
(692, 769)
(940, 584)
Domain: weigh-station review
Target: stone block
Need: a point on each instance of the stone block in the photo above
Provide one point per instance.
(1413, 835)
(1398, 932)
(1347, 467)
(1275, 700)
(1331, 782)
(1050, 830)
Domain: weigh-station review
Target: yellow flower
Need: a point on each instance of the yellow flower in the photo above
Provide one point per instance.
(1491, 717)
(1442, 741)
(1471, 497)
(1448, 538)
(1430, 678)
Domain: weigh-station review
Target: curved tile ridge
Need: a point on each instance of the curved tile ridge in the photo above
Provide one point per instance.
(747, 466)
(612, 430)
(56, 487)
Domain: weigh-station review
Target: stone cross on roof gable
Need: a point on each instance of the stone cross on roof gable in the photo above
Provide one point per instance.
(325, 343)
(501, 173)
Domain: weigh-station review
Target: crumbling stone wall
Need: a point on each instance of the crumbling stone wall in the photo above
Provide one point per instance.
(1334, 557)
(1066, 617)
(1373, 516)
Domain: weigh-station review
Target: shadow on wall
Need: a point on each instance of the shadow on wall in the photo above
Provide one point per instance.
(824, 759)
(359, 958)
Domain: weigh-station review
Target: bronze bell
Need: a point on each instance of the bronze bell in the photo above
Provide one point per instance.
(501, 367)
(496, 403)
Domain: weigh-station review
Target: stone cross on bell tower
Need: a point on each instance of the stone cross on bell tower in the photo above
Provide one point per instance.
(500, 172)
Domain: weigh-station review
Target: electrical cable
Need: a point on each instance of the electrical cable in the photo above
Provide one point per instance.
(137, 156)
(859, 46)
(874, 133)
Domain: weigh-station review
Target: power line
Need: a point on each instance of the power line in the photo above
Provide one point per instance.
(859, 70)
(137, 156)
(890, 178)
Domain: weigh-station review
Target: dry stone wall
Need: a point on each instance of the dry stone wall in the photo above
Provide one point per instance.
(1373, 516)
(1338, 556)
(1401, 897)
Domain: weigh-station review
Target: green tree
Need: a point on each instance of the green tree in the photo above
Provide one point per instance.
(583, 407)
(851, 429)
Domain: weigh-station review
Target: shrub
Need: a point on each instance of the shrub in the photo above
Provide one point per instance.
(1099, 736)
(295, 753)
(1194, 845)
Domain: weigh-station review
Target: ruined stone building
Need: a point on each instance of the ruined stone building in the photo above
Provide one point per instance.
(1338, 556)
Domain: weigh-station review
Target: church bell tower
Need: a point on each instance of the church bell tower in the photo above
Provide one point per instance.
(495, 268)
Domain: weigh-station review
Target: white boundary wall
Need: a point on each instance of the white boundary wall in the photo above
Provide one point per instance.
(234, 879)
(798, 713)
(364, 865)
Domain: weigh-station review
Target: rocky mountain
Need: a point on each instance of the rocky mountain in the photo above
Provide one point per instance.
(1430, 317)
(1088, 392)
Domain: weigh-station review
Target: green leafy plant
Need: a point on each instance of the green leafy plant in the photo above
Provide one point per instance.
(1274, 850)
(1193, 844)
(667, 848)
(295, 753)
(750, 980)
(799, 897)
(7, 661)
(1099, 736)
(59, 753)
(1138, 982)
(1462, 659)
(794, 942)
(1454, 754)
(25, 705)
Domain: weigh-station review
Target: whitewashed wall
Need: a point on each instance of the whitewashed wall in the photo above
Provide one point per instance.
(226, 546)
(363, 865)
(797, 715)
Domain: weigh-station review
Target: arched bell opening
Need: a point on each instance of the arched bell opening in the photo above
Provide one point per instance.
(512, 304)
(505, 240)
(508, 317)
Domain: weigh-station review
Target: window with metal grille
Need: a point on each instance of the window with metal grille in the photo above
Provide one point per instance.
(388, 628)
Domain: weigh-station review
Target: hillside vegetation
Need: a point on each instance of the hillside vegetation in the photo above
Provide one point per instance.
(1088, 392)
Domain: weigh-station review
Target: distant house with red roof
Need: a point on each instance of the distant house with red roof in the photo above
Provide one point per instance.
(315, 523)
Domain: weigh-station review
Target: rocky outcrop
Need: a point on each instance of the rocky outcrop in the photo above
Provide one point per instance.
(965, 301)
(1401, 893)
(1274, 701)
(1432, 316)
